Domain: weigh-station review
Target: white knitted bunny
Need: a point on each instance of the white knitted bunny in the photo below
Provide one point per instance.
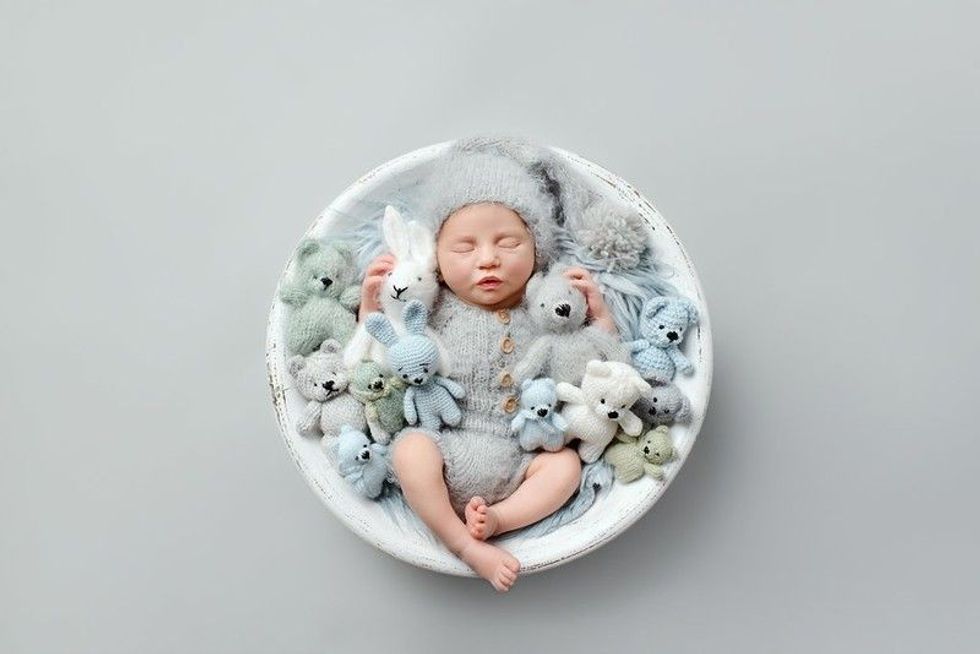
(412, 278)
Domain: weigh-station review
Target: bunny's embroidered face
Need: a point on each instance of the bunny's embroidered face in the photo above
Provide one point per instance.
(413, 357)
(414, 276)
(320, 376)
(665, 320)
(323, 270)
(611, 388)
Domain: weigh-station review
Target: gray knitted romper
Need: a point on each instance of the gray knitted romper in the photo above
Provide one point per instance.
(480, 456)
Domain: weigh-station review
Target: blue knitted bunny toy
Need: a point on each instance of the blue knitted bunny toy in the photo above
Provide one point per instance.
(430, 399)
(537, 423)
(362, 463)
(663, 320)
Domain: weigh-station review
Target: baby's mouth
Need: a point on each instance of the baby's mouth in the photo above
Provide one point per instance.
(489, 282)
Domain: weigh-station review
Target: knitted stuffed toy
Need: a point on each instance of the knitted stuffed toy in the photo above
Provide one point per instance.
(665, 405)
(321, 379)
(383, 398)
(631, 457)
(430, 399)
(662, 324)
(537, 422)
(601, 406)
(362, 463)
(322, 291)
(559, 311)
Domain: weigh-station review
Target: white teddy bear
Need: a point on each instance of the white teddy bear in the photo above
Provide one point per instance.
(601, 406)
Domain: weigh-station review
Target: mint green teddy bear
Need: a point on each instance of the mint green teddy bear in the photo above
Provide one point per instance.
(322, 293)
(383, 399)
(632, 458)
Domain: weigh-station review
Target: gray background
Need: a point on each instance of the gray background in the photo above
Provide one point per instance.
(158, 164)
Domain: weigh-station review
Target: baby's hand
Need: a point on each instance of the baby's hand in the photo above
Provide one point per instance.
(374, 277)
(581, 279)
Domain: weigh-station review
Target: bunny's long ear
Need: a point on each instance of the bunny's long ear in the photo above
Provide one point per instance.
(653, 305)
(415, 317)
(378, 325)
(396, 234)
(422, 243)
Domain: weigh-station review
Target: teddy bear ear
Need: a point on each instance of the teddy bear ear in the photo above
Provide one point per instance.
(295, 364)
(526, 384)
(684, 412)
(344, 248)
(378, 325)
(662, 429)
(307, 247)
(692, 311)
(653, 305)
(415, 316)
(533, 284)
(330, 346)
(596, 368)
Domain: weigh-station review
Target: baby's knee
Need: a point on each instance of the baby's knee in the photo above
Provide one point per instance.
(566, 464)
(411, 448)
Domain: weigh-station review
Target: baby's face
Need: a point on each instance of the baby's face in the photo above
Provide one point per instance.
(486, 255)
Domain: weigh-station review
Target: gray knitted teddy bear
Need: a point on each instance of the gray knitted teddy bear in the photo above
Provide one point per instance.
(665, 405)
(383, 398)
(321, 379)
(559, 311)
(430, 399)
(631, 458)
(537, 422)
(322, 292)
(362, 463)
(662, 322)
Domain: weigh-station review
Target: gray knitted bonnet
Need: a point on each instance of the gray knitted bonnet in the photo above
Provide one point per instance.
(507, 171)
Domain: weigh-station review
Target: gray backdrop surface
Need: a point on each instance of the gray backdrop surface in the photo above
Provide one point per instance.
(158, 164)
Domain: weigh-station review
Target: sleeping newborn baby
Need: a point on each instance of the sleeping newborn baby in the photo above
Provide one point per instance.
(472, 481)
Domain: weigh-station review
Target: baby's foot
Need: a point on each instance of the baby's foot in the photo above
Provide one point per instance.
(481, 519)
(492, 563)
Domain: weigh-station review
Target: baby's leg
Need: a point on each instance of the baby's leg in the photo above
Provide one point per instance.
(550, 480)
(418, 465)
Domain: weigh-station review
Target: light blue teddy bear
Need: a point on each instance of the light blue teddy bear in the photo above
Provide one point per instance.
(362, 463)
(538, 424)
(430, 399)
(663, 321)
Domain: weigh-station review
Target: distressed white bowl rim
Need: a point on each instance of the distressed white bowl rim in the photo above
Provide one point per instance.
(611, 515)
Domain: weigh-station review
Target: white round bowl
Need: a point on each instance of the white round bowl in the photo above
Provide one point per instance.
(613, 513)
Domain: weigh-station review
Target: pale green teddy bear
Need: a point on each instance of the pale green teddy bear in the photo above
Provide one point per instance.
(383, 399)
(322, 292)
(631, 458)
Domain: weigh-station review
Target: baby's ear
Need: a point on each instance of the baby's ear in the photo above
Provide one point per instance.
(415, 316)
(295, 364)
(378, 325)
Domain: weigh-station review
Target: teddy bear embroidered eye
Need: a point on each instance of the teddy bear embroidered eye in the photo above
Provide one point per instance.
(322, 293)
(663, 323)
(559, 311)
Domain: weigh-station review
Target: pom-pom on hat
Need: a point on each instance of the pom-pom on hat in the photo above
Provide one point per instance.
(506, 171)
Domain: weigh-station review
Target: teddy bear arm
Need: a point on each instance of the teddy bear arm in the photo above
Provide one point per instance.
(568, 393)
(638, 345)
(535, 359)
(655, 471)
(631, 424)
(680, 361)
(310, 419)
(351, 297)
(622, 437)
(517, 424)
(292, 295)
(559, 422)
